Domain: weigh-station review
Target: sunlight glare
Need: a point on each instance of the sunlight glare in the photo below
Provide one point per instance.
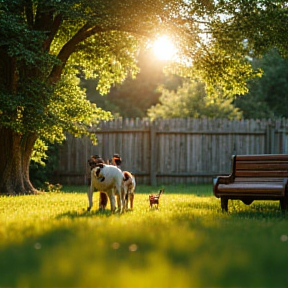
(164, 49)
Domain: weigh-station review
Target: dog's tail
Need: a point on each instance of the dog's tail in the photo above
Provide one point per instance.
(127, 176)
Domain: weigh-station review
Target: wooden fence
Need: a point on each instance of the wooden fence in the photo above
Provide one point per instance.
(174, 150)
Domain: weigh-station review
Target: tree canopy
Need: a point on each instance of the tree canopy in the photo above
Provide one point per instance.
(268, 95)
(135, 95)
(191, 100)
(45, 44)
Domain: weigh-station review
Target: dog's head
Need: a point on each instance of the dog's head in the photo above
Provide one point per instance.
(97, 170)
(94, 161)
(116, 160)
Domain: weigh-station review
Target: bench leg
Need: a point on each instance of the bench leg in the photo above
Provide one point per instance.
(224, 204)
(284, 203)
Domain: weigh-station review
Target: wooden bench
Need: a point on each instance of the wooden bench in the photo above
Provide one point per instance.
(254, 177)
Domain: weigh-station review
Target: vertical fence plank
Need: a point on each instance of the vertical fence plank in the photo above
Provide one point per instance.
(152, 151)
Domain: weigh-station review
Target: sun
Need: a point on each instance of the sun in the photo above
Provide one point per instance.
(164, 49)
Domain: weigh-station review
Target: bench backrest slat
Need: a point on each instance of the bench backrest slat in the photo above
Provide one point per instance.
(245, 165)
(261, 165)
(277, 157)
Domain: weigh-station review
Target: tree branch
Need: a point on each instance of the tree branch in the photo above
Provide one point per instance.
(85, 32)
(29, 12)
(55, 26)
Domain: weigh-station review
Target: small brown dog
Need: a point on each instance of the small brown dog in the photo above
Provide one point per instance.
(154, 198)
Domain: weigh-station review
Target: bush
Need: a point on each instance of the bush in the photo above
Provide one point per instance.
(43, 173)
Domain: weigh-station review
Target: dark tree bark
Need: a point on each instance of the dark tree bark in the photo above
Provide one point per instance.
(14, 168)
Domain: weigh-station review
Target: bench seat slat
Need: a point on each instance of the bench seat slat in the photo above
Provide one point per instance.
(248, 188)
(242, 173)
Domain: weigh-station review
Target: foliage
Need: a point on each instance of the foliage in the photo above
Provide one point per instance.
(256, 25)
(233, 29)
(267, 96)
(223, 35)
(42, 172)
(39, 152)
(190, 101)
(230, 31)
(53, 187)
(133, 97)
(108, 49)
(176, 245)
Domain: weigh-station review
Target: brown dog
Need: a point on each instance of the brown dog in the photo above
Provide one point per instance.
(154, 198)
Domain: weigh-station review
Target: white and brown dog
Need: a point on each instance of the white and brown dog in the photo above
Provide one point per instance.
(129, 185)
(109, 179)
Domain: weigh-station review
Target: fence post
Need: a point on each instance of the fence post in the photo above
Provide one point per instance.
(153, 180)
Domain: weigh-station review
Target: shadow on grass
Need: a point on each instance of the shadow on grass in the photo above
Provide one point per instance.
(188, 188)
(256, 210)
(85, 214)
(19, 261)
(253, 214)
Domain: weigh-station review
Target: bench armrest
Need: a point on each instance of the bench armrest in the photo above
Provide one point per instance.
(222, 180)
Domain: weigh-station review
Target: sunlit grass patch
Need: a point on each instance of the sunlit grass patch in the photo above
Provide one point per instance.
(50, 240)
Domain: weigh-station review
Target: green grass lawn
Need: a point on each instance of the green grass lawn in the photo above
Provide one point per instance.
(50, 240)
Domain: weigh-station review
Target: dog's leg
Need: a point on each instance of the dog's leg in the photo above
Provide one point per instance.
(124, 197)
(123, 194)
(112, 201)
(118, 201)
(116, 196)
(131, 200)
(126, 201)
(90, 197)
(103, 199)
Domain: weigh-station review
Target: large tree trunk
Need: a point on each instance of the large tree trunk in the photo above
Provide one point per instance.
(15, 153)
